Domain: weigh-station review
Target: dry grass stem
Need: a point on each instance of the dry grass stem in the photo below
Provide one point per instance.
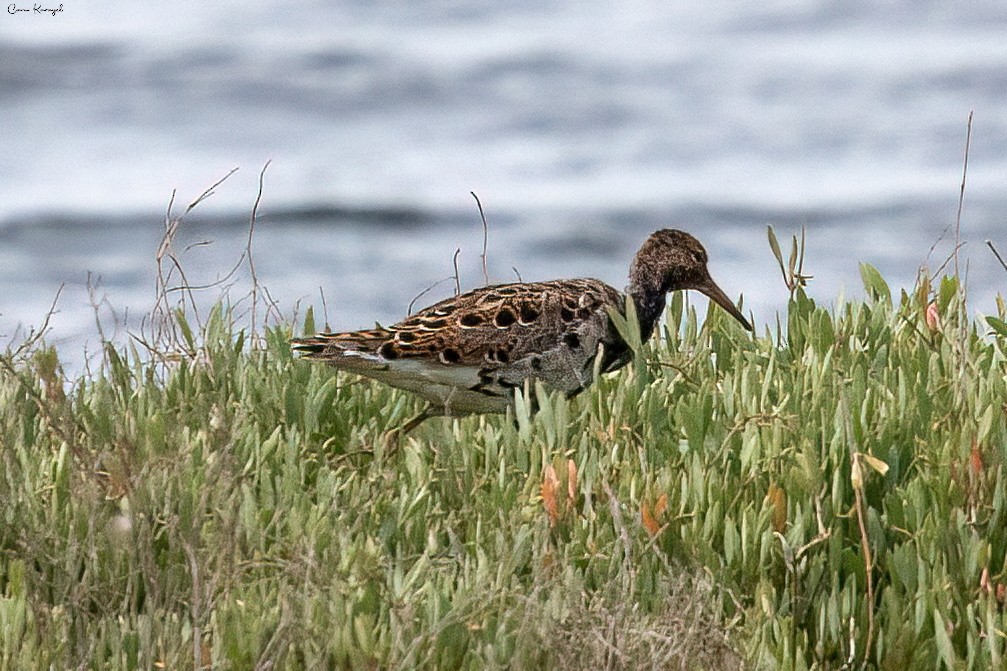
(482, 217)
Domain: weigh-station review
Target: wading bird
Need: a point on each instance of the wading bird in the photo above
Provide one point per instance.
(468, 354)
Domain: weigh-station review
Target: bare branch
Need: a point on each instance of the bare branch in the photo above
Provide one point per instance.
(482, 215)
(203, 243)
(206, 194)
(35, 335)
(171, 203)
(989, 243)
(953, 256)
(92, 295)
(163, 327)
(409, 309)
(325, 308)
(961, 195)
(248, 245)
(454, 262)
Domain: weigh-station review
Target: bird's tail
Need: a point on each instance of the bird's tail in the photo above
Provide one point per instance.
(309, 345)
(334, 346)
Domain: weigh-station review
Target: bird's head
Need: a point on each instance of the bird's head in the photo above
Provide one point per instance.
(671, 260)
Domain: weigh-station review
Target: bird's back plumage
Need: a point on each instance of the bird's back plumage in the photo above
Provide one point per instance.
(468, 353)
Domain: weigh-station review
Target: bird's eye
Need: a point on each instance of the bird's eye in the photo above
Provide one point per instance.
(699, 257)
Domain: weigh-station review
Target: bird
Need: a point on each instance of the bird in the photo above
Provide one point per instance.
(468, 354)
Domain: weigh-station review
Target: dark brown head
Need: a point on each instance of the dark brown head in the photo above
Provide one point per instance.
(671, 260)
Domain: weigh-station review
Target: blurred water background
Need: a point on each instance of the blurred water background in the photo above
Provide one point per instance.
(583, 126)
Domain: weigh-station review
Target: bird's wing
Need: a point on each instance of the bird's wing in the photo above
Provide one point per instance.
(495, 336)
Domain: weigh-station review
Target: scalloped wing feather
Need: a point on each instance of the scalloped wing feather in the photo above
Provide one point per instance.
(471, 351)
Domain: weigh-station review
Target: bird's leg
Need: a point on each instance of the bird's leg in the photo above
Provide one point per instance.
(393, 437)
(424, 415)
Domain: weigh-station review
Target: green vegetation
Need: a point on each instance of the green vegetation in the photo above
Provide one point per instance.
(829, 493)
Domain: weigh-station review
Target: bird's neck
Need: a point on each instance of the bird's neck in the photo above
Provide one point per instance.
(649, 303)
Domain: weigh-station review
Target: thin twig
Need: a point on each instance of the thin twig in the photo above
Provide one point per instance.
(245, 257)
(869, 569)
(185, 280)
(163, 326)
(940, 237)
(454, 262)
(989, 243)
(171, 204)
(170, 230)
(514, 268)
(92, 295)
(856, 465)
(202, 243)
(409, 309)
(271, 306)
(248, 247)
(325, 308)
(961, 195)
(33, 335)
(217, 282)
(953, 256)
(959, 347)
(206, 194)
(166, 250)
(482, 215)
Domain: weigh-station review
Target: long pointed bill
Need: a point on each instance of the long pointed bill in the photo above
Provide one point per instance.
(717, 295)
